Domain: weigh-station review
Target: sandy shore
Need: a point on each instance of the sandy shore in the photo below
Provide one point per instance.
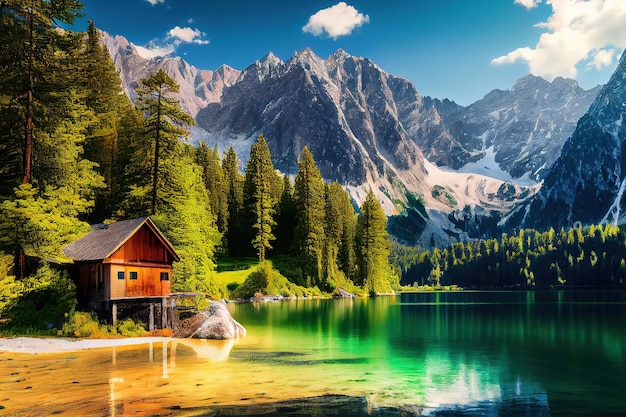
(36, 345)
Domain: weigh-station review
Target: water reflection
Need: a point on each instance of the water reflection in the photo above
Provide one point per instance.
(130, 374)
(556, 350)
(552, 354)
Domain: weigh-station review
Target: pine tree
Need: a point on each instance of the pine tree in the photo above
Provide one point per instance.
(309, 237)
(185, 218)
(130, 165)
(215, 183)
(107, 100)
(165, 122)
(234, 201)
(373, 248)
(339, 231)
(48, 120)
(31, 52)
(286, 218)
(258, 199)
(42, 219)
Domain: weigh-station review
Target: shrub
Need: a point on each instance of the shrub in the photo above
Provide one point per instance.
(86, 325)
(129, 328)
(45, 300)
(82, 324)
(268, 281)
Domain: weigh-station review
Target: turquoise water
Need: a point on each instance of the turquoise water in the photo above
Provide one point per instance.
(470, 353)
(558, 353)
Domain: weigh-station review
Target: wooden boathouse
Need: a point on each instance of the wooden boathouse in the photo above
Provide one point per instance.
(123, 270)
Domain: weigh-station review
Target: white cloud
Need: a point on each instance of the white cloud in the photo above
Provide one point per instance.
(167, 46)
(187, 35)
(155, 2)
(338, 20)
(529, 4)
(576, 32)
(152, 51)
(603, 58)
(520, 54)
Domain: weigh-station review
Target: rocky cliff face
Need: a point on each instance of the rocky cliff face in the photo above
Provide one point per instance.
(369, 129)
(198, 88)
(525, 127)
(587, 181)
(345, 109)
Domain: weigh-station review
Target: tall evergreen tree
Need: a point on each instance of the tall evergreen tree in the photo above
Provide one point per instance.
(258, 199)
(285, 219)
(234, 200)
(339, 228)
(185, 217)
(43, 131)
(42, 219)
(165, 122)
(107, 100)
(309, 237)
(215, 183)
(373, 248)
(131, 167)
(31, 52)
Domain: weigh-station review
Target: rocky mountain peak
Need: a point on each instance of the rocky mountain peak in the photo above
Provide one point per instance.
(198, 88)
(339, 55)
(269, 66)
(588, 180)
(523, 128)
(528, 83)
(369, 129)
(610, 104)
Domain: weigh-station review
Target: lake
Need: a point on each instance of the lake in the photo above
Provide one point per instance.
(543, 353)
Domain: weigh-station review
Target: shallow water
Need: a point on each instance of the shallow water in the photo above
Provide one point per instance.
(466, 353)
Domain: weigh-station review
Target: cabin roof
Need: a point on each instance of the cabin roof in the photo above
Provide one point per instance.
(105, 239)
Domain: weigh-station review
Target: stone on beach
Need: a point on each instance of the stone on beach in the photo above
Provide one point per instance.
(215, 322)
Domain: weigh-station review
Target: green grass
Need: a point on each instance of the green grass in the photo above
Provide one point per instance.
(238, 277)
(235, 264)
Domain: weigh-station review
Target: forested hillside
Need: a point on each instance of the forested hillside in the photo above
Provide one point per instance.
(74, 151)
(591, 256)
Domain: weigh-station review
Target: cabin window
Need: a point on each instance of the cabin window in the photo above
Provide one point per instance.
(165, 276)
(120, 275)
(132, 275)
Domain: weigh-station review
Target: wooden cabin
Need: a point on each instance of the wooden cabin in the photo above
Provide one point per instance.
(124, 263)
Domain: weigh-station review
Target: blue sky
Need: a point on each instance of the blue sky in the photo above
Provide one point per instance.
(456, 49)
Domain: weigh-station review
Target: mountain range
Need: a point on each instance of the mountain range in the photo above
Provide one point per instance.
(470, 167)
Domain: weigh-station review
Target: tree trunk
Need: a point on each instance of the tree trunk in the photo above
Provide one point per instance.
(156, 156)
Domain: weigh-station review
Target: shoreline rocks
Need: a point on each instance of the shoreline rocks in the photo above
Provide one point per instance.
(214, 323)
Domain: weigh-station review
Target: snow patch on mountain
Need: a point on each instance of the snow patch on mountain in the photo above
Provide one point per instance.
(488, 167)
(474, 189)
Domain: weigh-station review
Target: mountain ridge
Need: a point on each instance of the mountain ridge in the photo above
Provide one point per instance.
(587, 182)
(370, 129)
